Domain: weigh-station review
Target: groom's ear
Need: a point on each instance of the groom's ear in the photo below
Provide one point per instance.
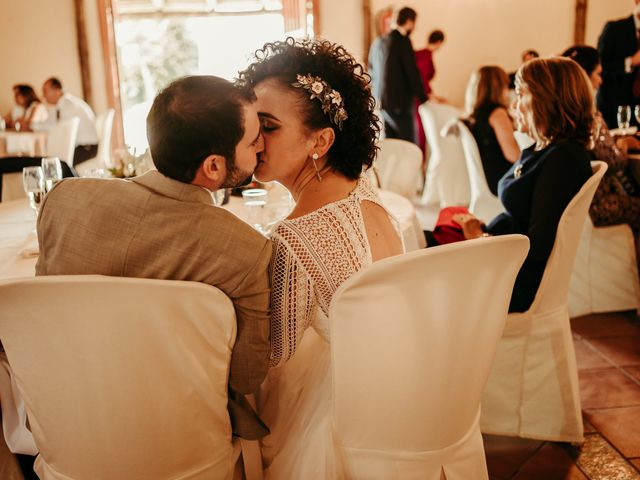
(324, 140)
(212, 172)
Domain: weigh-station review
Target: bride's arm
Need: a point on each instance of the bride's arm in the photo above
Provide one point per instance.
(293, 302)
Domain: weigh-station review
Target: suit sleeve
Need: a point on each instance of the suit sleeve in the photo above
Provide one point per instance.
(611, 55)
(250, 358)
(410, 67)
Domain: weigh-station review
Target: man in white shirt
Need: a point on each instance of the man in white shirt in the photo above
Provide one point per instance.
(67, 106)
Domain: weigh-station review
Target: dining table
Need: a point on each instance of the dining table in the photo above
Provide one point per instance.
(23, 143)
(19, 246)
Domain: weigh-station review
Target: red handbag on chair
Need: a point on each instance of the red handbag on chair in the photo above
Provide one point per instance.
(446, 230)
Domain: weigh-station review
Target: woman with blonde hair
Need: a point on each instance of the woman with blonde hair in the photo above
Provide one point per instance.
(554, 105)
(486, 103)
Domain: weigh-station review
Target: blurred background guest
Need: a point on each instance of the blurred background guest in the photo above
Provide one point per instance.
(620, 56)
(378, 53)
(486, 105)
(402, 84)
(526, 56)
(67, 106)
(617, 199)
(27, 110)
(427, 69)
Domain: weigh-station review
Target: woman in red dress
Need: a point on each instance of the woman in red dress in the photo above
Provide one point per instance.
(424, 60)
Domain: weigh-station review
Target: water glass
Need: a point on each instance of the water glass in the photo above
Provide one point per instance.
(624, 116)
(255, 200)
(52, 172)
(33, 183)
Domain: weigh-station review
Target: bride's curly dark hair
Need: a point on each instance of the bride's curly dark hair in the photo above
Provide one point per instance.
(355, 145)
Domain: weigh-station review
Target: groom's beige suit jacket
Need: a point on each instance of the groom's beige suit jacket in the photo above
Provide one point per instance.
(156, 227)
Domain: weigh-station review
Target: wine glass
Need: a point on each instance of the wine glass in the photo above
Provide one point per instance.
(33, 183)
(636, 112)
(51, 171)
(624, 117)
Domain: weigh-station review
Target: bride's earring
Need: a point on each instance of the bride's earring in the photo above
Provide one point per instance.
(314, 157)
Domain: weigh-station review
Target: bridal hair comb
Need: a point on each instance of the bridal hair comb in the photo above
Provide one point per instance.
(330, 99)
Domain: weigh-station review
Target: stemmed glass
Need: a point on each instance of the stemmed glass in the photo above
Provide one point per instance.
(624, 117)
(51, 171)
(636, 112)
(33, 183)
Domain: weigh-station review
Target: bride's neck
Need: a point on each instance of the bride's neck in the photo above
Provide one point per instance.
(311, 194)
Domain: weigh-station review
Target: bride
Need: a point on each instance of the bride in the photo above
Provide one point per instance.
(317, 118)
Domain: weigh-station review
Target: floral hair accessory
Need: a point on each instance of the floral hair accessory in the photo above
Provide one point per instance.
(331, 100)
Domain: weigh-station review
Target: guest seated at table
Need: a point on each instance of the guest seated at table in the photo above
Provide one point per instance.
(617, 199)
(320, 130)
(204, 134)
(67, 106)
(486, 104)
(27, 110)
(555, 106)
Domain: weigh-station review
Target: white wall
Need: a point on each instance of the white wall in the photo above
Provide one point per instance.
(479, 32)
(600, 11)
(38, 37)
(38, 40)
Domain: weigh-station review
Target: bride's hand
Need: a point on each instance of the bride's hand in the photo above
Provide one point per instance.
(471, 226)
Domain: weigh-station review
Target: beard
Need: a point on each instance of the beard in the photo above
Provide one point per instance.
(236, 177)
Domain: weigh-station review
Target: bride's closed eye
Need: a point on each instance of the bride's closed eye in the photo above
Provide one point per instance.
(267, 126)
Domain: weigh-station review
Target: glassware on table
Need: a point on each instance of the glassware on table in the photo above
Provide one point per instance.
(636, 112)
(33, 183)
(96, 173)
(624, 117)
(255, 200)
(51, 171)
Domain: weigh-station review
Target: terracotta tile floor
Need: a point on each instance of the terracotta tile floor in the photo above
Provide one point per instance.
(608, 356)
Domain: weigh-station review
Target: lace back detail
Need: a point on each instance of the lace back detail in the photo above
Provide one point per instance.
(313, 255)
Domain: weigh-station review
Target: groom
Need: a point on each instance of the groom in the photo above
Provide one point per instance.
(204, 134)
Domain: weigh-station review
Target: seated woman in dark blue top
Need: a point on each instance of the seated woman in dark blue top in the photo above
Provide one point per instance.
(554, 103)
(486, 101)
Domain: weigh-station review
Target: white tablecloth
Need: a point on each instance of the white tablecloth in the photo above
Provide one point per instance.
(17, 236)
(18, 241)
(23, 143)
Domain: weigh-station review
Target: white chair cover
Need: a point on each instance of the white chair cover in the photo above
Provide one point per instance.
(398, 165)
(61, 140)
(104, 127)
(533, 388)
(412, 341)
(122, 378)
(483, 204)
(446, 183)
(605, 274)
(14, 416)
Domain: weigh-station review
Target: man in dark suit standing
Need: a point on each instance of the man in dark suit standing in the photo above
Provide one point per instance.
(402, 83)
(620, 56)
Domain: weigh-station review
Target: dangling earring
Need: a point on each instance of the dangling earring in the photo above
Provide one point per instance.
(314, 157)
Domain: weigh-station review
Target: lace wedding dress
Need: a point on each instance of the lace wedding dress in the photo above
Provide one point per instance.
(313, 255)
